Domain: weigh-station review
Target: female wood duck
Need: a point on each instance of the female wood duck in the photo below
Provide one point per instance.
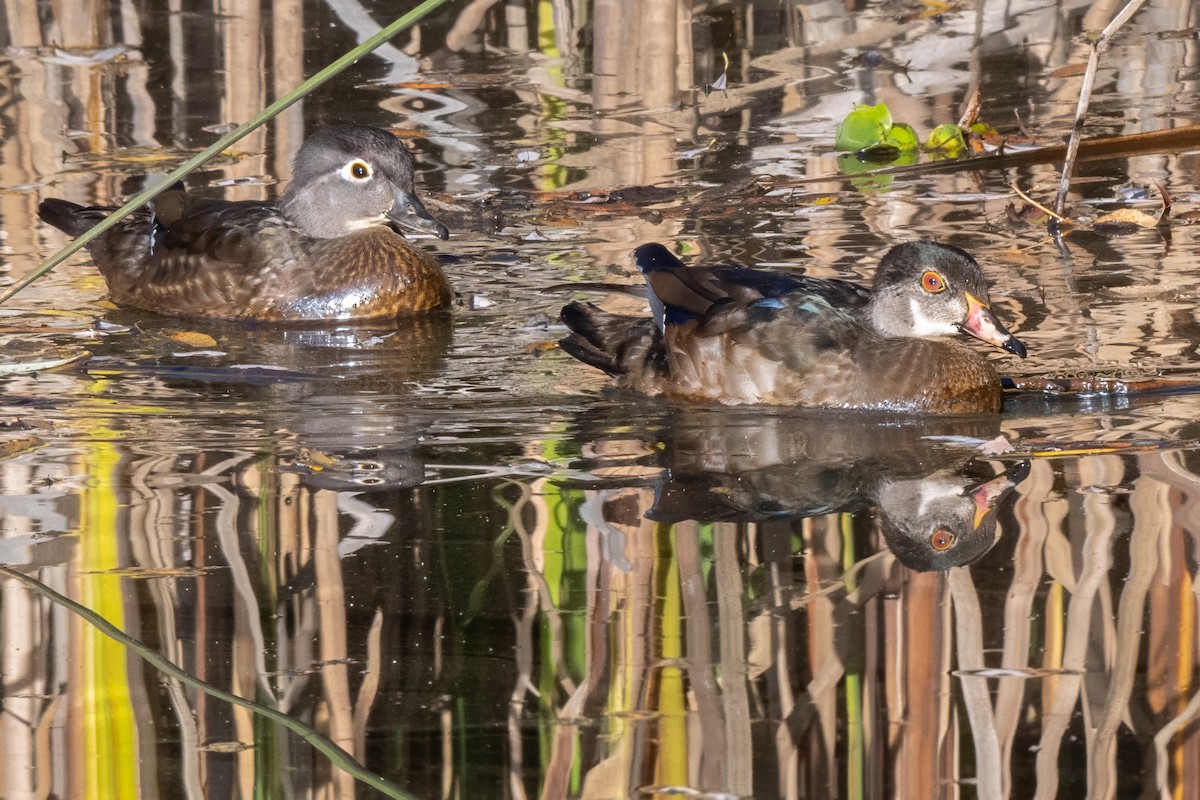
(735, 335)
(325, 251)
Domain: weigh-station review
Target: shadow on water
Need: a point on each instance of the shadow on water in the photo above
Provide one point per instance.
(466, 561)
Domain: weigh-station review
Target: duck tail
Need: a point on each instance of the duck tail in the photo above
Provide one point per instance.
(609, 342)
(70, 218)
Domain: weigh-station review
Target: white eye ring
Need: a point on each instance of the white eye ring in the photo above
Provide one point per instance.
(356, 171)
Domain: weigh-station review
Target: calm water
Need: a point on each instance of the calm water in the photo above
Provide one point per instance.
(447, 548)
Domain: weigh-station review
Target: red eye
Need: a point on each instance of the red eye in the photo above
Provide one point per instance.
(933, 283)
(942, 540)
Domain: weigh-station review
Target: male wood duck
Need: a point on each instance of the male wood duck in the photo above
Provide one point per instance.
(325, 251)
(735, 335)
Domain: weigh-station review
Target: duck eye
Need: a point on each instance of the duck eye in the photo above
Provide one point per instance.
(933, 283)
(359, 170)
(942, 540)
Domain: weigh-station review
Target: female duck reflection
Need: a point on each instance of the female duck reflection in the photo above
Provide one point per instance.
(935, 509)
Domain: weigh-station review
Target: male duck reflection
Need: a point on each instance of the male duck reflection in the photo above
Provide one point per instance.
(931, 523)
(326, 251)
(936, 504)
(735, 335)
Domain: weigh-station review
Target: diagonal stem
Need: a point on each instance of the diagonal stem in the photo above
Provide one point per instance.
(1085, 97)
(332, 751)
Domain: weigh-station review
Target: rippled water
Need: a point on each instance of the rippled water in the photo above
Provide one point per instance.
(450, 549)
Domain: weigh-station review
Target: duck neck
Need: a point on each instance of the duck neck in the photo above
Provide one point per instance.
(884, 319)
(315, 219)
(897, 319)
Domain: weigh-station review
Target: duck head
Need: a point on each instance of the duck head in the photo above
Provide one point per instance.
(927, 289)
(350, 177)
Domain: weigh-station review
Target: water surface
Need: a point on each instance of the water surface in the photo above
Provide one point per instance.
(450, 549)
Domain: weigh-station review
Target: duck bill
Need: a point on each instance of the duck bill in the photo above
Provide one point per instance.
(408, 212)
(982, 324)
(988, 494)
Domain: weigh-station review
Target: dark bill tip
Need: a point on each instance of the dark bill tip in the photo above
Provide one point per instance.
(1014, 346)
(409, 212)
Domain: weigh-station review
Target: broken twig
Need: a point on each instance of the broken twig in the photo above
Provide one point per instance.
(1053, 215)
(1085, 97)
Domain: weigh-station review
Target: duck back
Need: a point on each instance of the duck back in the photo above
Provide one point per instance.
(737, 336)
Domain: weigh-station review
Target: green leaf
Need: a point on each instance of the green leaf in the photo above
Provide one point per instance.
(863, 127)
(902, 137)
(947, 140)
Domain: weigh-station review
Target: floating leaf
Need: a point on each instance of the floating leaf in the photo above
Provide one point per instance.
(1069, 71)
(193, 338)
(947, 140)
(902, 137)
(983, 129)
(1025, 216)
(23, 364)
(863, 127)
(1128, 216)
(12, 447)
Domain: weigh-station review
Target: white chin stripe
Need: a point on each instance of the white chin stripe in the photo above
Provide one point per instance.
(924, 326)
(935, 492)
(369, 222)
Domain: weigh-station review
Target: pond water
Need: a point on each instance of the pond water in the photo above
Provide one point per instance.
(446, 546)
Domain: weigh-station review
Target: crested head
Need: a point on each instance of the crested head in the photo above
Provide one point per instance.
(926, 289)
(350, 177)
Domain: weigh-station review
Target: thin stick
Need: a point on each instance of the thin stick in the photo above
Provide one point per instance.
(1085, 97)
(225, 141)
(1038, 205)
(335, 753)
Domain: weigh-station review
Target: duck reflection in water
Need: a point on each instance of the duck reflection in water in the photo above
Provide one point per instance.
(936, 502)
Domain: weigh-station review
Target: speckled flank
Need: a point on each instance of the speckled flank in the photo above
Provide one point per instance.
(747, 338)
(246, 260)
(369, 275)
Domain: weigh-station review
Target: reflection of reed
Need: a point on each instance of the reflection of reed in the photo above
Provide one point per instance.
(891, 660)
(765, 658)
(301, 530)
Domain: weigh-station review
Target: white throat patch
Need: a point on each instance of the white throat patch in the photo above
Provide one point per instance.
(933, 493)
(368, 222)
(924, 326)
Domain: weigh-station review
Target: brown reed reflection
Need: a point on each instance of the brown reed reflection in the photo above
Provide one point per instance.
(857, 673)
(475, 575)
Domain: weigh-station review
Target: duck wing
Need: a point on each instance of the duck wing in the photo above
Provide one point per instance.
(729, 334)
(786, 318)
(679, 293)
(189, 230)
(235, 233)
(214, 258)
(192, 256)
